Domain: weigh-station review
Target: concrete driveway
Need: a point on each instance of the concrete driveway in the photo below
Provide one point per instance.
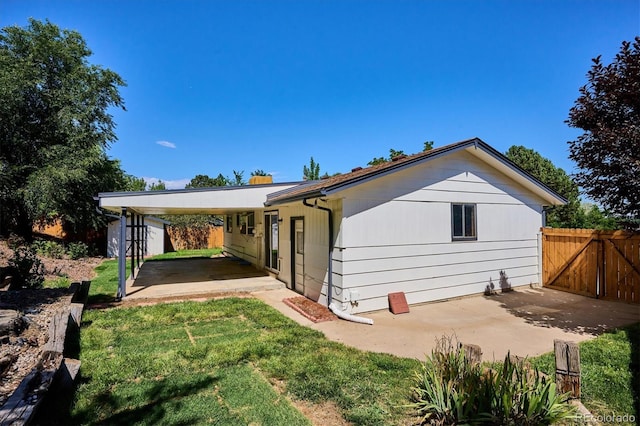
(525, 322)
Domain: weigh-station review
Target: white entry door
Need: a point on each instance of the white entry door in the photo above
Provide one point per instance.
(298, 254)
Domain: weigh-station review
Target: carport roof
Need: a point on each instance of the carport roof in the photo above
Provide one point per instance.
(215, 200)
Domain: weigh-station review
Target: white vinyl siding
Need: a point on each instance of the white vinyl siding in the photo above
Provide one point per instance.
(239, 243)
(155, 234)
(396, 234)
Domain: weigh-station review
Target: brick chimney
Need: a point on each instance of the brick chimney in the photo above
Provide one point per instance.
(260, 180)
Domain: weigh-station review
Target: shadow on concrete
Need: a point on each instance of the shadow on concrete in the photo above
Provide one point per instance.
(177, 271)
(544, 307)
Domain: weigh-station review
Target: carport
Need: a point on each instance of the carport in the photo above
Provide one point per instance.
(132, 207)
(194, 276)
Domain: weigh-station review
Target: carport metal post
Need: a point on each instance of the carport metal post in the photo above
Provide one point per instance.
(122, 256)
(144, 240)
(139, 246)
(133, 245)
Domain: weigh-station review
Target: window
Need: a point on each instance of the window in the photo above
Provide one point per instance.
(242, 223)
(251, 223)
(299, 242)
(247, 223)
(463, 222)
(229, 223)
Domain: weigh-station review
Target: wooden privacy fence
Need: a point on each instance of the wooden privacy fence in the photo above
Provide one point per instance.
(181, 238)
(601, 264)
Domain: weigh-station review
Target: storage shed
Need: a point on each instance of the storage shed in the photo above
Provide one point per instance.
(154, 235)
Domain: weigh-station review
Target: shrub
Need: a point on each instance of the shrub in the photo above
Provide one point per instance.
(50, 249)
(30, 269)
(77, 250)
(451, 390)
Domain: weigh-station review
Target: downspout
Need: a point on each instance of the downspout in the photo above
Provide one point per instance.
(332, 307)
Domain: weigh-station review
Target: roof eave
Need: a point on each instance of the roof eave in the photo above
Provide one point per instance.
(330, 189)
(526, 179)
(298, 197)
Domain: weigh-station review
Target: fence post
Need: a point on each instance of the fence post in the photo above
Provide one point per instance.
(472, 353)
(567, 356)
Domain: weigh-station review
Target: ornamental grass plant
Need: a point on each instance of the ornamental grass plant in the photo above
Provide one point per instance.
(449, 389)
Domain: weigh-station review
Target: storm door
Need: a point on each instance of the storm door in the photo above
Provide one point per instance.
(271, 240)
(297, 254)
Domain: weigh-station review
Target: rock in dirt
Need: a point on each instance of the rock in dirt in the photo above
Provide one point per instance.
(11, 322)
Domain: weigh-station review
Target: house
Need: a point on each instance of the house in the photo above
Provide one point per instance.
(443, 223)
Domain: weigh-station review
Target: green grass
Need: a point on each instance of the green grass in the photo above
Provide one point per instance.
(104, 287)
(212, 362)
(182, 254)
(610, 369)
(60, 282)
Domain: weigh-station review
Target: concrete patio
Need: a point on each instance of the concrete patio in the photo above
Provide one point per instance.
(524, 322)
(165, 278)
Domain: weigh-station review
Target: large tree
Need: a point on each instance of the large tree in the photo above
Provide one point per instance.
(157, 186)
(133, 183)
(608, 152)
(311, 172)
(205, 181)
(570, 215)
(55, 127)
(392, 154)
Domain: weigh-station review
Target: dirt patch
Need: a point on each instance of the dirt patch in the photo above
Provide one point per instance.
(325, 413)
(310, 309)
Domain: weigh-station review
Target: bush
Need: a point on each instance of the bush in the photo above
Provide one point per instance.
(50, 249)
(77, 250)
(451, 390)
(30, 269)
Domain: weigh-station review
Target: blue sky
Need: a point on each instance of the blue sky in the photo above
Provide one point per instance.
(217, 86)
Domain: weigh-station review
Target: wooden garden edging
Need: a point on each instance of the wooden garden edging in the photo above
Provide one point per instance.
(600, 264)
(22, 405)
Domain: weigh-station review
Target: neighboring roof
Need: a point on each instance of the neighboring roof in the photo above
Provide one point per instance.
(475, 146)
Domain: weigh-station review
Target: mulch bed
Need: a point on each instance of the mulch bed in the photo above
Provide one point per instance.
(21, 351)
(310, 309)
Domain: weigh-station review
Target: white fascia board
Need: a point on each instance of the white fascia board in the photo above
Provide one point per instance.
(522, 178)
(215, 201)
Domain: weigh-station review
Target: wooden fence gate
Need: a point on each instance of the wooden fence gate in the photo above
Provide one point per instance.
(601, 264)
